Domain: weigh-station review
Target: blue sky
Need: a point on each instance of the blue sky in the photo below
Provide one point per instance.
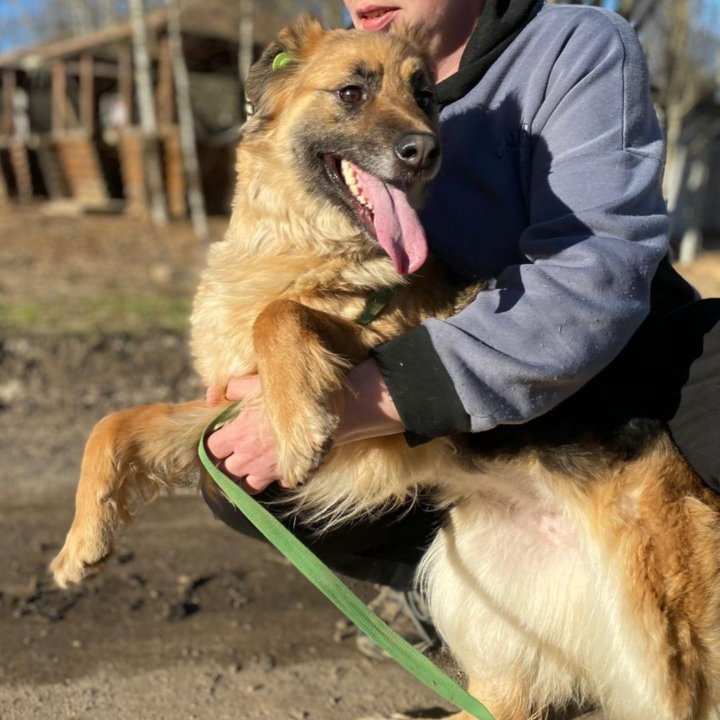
(12, 32)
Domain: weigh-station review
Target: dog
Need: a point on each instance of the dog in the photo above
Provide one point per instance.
(577, 563)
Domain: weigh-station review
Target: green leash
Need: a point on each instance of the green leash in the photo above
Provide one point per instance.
(336, 591)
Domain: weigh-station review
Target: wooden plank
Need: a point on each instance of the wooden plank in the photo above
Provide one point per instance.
(105, 70)
(59, 96)
(81, 165)
(87, 93)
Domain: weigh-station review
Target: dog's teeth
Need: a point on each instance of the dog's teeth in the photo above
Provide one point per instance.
(348, 172)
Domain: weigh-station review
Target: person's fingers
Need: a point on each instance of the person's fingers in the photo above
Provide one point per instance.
(246, 450)
(238, 480)
(237, 389)
(240, 387)
(257, 483)
(242, 482)
(214, 396)
(236, 466)
(221, 443)
(252, 484)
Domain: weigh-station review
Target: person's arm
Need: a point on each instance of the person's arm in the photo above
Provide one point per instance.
(365, 406)
(596, 234)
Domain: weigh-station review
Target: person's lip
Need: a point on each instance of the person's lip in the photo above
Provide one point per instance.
(376, 17)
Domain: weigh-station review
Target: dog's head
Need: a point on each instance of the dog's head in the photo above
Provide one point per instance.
(357, 117)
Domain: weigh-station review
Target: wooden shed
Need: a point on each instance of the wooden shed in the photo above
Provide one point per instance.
(69, 125)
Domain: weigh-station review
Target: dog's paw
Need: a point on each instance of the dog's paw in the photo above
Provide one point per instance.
(304, 447)
(80, 557)
(296, 468)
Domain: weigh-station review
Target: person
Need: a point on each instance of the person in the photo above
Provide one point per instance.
(551, 183)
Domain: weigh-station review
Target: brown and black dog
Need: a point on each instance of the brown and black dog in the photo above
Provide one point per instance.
(566, 570)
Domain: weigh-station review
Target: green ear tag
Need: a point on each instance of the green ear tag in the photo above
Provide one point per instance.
(281, 60)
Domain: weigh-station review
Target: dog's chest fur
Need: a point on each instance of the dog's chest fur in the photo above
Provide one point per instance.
(238, 285)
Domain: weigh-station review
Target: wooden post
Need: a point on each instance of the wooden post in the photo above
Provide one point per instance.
(21, 168)
(187, 123)
(87, 93)
(125, 80)
(146, 108)
(59, 96)
(51, 169)
(164, 91)
(4, 195)
(133, 175)
(9, 83)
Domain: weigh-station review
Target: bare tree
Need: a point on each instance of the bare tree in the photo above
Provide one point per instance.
(247, 37)
(187, 123)
(639, 12)
(146, 108)
(684, 79)
(682, 53)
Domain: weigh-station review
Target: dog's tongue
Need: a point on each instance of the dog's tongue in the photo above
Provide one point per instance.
(397, 225)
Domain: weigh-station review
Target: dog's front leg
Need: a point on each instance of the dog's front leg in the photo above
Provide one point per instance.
(302, 357)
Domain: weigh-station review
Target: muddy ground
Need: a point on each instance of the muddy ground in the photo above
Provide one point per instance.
(189, 620)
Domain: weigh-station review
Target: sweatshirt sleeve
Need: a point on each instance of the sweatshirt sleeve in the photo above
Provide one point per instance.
(596, 233)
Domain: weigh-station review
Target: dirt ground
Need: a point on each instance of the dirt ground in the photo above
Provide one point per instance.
(189, 620)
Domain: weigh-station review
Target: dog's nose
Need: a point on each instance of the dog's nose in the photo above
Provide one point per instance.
(417, 150)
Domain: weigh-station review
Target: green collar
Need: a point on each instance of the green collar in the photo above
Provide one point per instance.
(374, 305)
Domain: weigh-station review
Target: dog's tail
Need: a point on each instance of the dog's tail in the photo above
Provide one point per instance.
(130, 456)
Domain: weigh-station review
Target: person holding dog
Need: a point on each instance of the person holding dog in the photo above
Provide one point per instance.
(551, 184)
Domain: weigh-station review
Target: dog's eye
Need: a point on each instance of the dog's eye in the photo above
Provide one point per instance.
(352, 94)
(425, 99)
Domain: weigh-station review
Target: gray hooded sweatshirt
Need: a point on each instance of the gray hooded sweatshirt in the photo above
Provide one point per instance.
(550, 185)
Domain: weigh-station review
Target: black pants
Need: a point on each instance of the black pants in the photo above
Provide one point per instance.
(692, 408)
(385, 550)
(670, 371)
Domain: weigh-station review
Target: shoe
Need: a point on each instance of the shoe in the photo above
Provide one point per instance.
(407, 614)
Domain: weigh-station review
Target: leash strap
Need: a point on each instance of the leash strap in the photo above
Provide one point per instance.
(335, 590)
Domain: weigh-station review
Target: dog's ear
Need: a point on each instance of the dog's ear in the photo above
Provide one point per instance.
(282, 58)
(418, 36)
(415, 34)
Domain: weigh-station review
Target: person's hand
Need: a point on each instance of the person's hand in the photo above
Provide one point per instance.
(245, 445)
